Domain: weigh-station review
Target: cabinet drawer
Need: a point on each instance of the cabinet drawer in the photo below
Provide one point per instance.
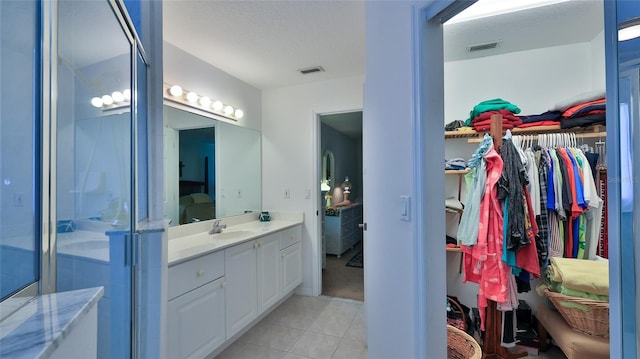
(290, 236)
(189, 275)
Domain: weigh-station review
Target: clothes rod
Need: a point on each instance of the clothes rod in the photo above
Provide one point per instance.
(535, 137)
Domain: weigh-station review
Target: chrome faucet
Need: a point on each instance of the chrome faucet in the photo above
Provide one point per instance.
(217, 227)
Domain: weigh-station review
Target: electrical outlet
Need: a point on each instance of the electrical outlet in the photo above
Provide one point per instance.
(307, 193)
(287, 193)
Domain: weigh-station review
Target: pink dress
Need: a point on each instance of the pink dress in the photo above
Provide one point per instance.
(483, 262)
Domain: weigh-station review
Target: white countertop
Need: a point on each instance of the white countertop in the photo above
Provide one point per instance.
(40, 325)
(193, 240)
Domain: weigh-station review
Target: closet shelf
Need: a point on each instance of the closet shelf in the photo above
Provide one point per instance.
(456, 172)
(454, 250)
(581, 132)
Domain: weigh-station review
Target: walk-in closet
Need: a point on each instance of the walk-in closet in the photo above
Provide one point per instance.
(525, 174)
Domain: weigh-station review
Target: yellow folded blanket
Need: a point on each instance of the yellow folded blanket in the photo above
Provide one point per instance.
(581, 275)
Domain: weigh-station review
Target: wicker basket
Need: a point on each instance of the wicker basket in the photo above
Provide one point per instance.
(460, 323)
(461, 345)
(585, 315)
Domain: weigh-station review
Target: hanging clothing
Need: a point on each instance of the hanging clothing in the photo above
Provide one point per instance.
(482, 262)
(511, 183)
(476, 179)
(542, 238)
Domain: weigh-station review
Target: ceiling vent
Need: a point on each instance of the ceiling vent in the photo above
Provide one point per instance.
(310, 70)
(485, 46)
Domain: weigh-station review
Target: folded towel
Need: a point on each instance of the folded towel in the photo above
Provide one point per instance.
(580, 98)
(546, 116)
(506, 116)
(454, 204)
(540, 123)
(455, 164)
(491, 105)
(581, 275)
(584, 108)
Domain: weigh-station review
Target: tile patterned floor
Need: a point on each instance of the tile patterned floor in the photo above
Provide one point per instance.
(305, 327)
(314, 327)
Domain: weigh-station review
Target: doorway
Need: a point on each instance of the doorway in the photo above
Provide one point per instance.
(340, 187)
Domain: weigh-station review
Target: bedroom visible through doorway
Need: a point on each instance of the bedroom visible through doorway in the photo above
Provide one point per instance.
(341, 190)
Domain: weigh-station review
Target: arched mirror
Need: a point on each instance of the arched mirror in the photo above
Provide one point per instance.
(328, 169)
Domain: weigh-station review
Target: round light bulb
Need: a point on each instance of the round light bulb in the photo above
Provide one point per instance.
(175, 90)
(629, 33)
(217, 105)
(127, 94)
(228, 110)
(96, 102)
(192, 97)
(117, 96)
(205, 101)
(239, 113)
(107, 100)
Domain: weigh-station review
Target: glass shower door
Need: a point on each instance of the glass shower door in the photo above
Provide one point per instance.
(93, 129)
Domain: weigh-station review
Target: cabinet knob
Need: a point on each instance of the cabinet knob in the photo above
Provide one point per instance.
(282, 254)
(255, 245)
(223, 284)
(200, 273)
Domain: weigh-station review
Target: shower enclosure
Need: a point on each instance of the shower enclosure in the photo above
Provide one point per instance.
(98, 67)
(73, 162)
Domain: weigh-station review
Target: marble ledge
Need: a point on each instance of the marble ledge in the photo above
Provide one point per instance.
(40, 326)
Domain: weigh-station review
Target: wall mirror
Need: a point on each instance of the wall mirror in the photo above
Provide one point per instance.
(212, 168)
(328, 168)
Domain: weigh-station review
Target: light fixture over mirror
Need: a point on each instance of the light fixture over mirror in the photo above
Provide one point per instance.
(629, 29)
(178, 94)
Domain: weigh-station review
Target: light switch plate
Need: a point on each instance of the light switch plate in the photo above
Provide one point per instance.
(405, 208)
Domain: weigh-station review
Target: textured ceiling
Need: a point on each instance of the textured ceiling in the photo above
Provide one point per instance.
(546, 26)
(264, 43)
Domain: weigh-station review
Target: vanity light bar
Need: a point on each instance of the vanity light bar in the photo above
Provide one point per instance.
(177, 94)
(113, 101)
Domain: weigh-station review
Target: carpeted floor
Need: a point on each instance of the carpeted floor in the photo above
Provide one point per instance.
(339, 280)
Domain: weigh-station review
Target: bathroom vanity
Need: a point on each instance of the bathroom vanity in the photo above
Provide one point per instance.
(219, 285)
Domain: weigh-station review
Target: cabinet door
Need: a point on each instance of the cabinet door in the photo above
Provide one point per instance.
(291, 267)
(268, 271)
(196, 321)
(241, 290)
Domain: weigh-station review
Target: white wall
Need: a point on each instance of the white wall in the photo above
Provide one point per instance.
(534, 80)
(290, 152)
(193, 74)
(597, 57)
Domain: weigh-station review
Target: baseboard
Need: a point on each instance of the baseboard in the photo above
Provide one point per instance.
(306, 291)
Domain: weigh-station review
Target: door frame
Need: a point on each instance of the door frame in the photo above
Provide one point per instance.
(436, 12)
(317, 198)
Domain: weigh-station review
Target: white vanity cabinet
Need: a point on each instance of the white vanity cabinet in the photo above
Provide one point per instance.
(196, 308)
(215, 296)
(291, 259)
(242, 287)
(269, 282)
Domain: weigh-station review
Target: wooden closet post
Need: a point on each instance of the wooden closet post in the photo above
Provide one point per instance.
(496, 131)
(491, 347)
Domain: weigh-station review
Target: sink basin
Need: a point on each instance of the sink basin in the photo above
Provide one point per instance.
(233, 234)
